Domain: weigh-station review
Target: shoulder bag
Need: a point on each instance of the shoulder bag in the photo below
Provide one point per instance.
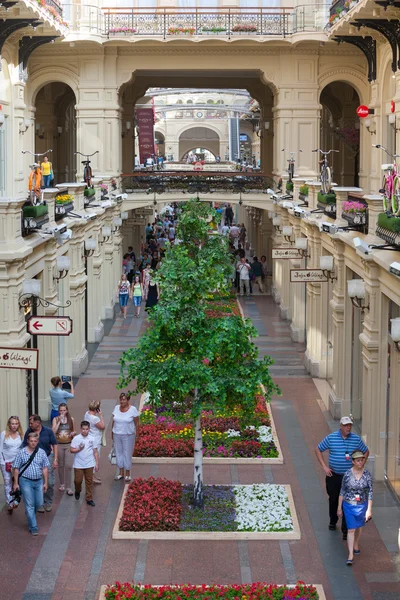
(17, 493)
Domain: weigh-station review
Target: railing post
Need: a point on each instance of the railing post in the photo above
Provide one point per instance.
(165, 23)
(229, 23)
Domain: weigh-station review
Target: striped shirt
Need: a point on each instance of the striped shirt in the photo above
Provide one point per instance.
(35, 469)
(339, 447)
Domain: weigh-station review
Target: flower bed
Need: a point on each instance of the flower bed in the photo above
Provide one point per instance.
(213, 29)
(124, 30)
(244, 28)
(255, 591)
(161, 505)
(170, 434)
(64, 199)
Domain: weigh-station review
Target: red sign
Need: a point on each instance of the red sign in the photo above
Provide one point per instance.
(363, 111)
(392, 106)
(145, 123)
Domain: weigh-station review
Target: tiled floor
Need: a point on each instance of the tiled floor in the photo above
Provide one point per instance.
(74, 553)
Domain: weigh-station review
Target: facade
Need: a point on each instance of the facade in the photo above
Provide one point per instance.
(77, 94)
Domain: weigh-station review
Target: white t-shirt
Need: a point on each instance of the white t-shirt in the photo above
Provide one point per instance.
(95, 432)
(244, 270)
(84, 459)
(9, 447)
(123, 421)
(225, 230)
(171, 233)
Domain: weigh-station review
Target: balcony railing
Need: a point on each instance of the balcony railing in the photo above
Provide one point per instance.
(179, 22)
(56, 5)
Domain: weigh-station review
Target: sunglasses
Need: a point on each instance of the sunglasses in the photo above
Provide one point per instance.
(14, 417)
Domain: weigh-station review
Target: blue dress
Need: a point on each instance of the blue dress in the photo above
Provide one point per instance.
(356, 493)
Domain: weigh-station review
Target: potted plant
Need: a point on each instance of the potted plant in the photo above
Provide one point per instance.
(243, 28)
(213, 29)
(303, 194)
(328, 203)
(354, 212)
(64, 204)
(122, 30)
(389, 228)
(181, 30)
(289, 186)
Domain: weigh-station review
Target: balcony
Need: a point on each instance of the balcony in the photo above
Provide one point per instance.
(197, 23)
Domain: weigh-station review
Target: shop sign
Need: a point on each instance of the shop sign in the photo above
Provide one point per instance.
(307, 276)
(143, 211)
(50, 325)
(145, 124)
(363, 111)
(286, 253)
(392, 106)
(19, 358)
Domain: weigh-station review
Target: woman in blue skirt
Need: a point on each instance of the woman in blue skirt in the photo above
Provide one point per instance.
(355, 501)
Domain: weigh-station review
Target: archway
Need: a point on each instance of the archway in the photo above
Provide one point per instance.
(198, 153)
(159, 140)
(199, 138)
(340, 130)
(55, 127)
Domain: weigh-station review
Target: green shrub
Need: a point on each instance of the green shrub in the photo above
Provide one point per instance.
(390, 223)
(289, 186)
(35, 211)
(326, 198)
(304, 190)
(89, 192)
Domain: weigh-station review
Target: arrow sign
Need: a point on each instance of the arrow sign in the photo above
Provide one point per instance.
(49, 325)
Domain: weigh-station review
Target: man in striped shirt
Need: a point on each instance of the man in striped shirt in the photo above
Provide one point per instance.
(341, 444)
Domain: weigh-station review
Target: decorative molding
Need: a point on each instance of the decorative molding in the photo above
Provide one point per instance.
(10, 26)
(367, 45)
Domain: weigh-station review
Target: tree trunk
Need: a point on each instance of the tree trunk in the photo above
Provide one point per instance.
(198, 499)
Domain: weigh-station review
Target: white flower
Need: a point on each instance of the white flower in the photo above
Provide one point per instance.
(265, 434)
(232, 433)
(262, 507)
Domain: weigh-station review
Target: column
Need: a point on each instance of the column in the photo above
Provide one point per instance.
(94, 269)
(298, 324)
(285, 290)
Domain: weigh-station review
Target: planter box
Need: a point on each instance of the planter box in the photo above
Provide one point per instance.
(303, 198)
(289, 186)
(326, 198)
(34, 217)
(37, 210)
(63, 209)
(88, 192)
(329, 209)
(389, 229)
(355, 218)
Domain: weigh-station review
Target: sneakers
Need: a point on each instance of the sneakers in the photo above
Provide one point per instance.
(332, 527)
(48, 508)
(77, 495)
(41, 509)
(35, 532)
(90, 503)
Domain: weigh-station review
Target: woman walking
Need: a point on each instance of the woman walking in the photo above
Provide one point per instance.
(94, 416)
(63, 428)
(125, 428)
(31, 473)
(152, 293)
(137, 295)
(124, 291)
(355, 501)
(10, 442)
(58, 395)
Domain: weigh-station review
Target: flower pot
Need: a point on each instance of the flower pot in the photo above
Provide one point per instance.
(355, 218)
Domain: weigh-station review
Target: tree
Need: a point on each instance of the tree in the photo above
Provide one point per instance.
(186, 357)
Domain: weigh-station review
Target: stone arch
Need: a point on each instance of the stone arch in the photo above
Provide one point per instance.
(203, 137)
(205, 126)
(351, 76)
(48, 75)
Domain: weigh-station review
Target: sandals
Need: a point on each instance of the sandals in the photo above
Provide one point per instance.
(349, 562)
(357, 551)
(70, 492)
(97, 480)
(118, 477)
(128, 478)
(61, 488)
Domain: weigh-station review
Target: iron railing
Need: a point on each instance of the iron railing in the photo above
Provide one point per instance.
(336, 5)
(56, 5)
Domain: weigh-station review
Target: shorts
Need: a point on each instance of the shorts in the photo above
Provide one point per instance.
(123, 300)
(137, 300)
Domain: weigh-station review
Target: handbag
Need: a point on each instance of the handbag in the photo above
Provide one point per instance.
(8, 467)
(112, 457)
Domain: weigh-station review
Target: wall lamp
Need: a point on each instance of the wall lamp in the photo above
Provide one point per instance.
(356, 292)
(287, 231)
(302, 245)
(276, 222)
(63, 266)
(2, 118)
(392, 121)
(395, 332)
(59, 132)
(24, 126)
(30, 297)
(39, 132)
(370, 125)
(128, 126)
(326, 266)
(271, 214)
(117, 222)
(90, 247)
(125, 215)
(106, 233)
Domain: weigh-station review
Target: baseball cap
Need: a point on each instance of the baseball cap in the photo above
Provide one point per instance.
(346, 421)
(357, 454)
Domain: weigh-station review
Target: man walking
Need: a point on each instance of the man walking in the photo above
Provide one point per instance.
(86, 458)
(256, 269)
(243, 269)
(341, 444)
(228, 215)
(48, 443)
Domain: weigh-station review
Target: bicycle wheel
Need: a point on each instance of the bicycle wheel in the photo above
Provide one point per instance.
(385, 191)
(396, 196)
(326, 180)
(291, 171)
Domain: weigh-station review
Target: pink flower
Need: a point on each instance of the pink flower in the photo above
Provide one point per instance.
(205, 361)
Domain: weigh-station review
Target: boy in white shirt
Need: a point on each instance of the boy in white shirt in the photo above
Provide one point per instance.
(86, 458)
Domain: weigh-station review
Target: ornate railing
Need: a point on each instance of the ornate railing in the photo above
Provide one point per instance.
(206, 182)
(336, 5)
(56, 5)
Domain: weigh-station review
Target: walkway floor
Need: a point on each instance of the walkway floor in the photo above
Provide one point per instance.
(74, 553)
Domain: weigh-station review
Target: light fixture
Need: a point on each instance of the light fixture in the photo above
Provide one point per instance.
(117, 222)
(287, 231)
(257, 130)
(124, 215)
(24, 125)
(276, 222)
(370, 125)
(302, 244)
(326, 266)
(356, 292)
(128, 126)
(392, 121)
(271, 214)
(59, 132)
(2, 118)
(90, 247)
(30, 296)
(395, 332)
(63, 266)
(106, 233)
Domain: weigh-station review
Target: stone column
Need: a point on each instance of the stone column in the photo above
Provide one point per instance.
(342, 195)
(375, 206)
(297, 326)
(314, 187)
(94, 269)
(285, 310)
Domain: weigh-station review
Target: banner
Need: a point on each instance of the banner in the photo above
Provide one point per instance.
(145, 123)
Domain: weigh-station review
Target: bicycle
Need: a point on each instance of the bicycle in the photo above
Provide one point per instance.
(35, 181)
(326, 173)
(391, 183)
(291, 162)
(87, 170)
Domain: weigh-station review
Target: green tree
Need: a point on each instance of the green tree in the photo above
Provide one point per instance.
(186, 356)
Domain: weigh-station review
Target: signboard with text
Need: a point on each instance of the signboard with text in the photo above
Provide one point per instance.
(362, 111)
(145, 124)
(286, 253)
(49, 325)
(307, 276)
(19, 358)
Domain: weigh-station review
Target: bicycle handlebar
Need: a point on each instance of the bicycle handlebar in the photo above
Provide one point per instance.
(87, 155)
(33, 154)
(380, 147)
(325, 153)
(290, 151)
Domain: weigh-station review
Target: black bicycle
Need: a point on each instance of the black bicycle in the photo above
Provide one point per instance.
(291, 162)
(326, 173)
(87, 169)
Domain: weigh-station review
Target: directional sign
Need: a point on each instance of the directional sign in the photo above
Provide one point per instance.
(50, 325)
(286, 253)
(19, 358)
(307, 276)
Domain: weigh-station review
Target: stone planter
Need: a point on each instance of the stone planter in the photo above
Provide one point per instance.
(389, 229)
(62, 209)
(34, 217)
(359, 218)
(304, 199)
(328, 208)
